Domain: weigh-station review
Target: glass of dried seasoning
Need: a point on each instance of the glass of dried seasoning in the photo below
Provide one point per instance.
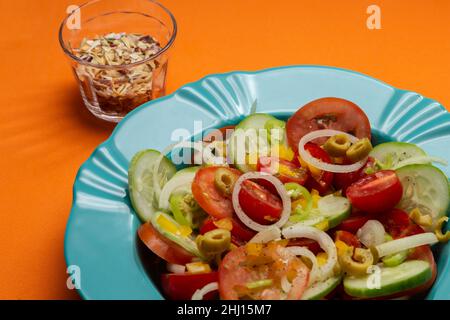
(118, 51)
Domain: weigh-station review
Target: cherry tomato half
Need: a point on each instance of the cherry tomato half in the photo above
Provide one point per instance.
(240, 233)
(161, 246)
(181, 286)
(376, 193)
(207, 195)
(284, 170)
(259, 204)
(322, 182)
(327, 113)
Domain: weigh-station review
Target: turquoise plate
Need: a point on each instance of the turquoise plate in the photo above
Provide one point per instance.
(101, 231)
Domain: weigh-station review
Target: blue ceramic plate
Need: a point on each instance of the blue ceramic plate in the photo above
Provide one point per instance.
(101, 231)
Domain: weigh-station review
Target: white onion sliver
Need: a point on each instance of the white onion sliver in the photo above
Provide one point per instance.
(325, 242)
(371, 233)
(267, 235)
(172, 185)
(176, 268)
(304, 252)
(285, 284)
(197, 146)
(306, 156)
(281, 191)
(200, 293)
(405, 243)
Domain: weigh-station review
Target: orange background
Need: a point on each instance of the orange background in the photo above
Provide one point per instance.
(46, 133)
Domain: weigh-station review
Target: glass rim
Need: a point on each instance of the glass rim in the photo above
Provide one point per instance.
(74, 57)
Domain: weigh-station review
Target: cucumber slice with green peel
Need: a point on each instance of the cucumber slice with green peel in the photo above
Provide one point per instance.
(255, 121)
(173, 231)
(334, 208)
(247, 140)
(408, 275)
(193, 169)
(143, 196)
(321, 289)
(424, 187)
(391, 154)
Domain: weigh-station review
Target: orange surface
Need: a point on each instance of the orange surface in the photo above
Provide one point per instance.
(46, 134)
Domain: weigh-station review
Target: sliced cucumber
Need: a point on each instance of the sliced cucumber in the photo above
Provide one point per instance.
(408, 275)
(334, 208)
(140, 181)
(173, 231)
(391, 154)
(246, 140)
(320, 290)
(424, 187)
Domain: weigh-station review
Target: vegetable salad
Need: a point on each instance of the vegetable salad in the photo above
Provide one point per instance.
(303, 209)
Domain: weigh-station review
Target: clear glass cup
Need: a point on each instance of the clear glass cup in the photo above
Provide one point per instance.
(111, 91)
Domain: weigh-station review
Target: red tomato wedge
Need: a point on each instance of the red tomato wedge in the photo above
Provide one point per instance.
(284, 170)
(376, 193)
(240, 233)
(342, 181)
(163, 247)
(349, 238)
(398, 224)
(322, 182)
(207, 195)
(259, 204)
(327, 113)
(182, 286)
(236, 271)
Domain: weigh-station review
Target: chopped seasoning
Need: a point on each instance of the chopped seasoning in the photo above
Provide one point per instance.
(121, 88)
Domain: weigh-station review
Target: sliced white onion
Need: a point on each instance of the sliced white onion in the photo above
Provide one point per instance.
(306, 156)
(304, 252)
(406, 243)
(325, 242)
(176, 268)
(281, 191)
(173, 184)
(267, 235)
(371, 233)
(285, 284)
(200, 293)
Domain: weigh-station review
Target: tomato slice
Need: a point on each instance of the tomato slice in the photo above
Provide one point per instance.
(284, 170)
(259, 204)
(220, 134)
(327, 113)
(376, 193)
(207, 195)
(237, 270)
(163, 247)
(240, 233)
(323, 181)
(182, 286)
(347, 237)
(342, 181)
